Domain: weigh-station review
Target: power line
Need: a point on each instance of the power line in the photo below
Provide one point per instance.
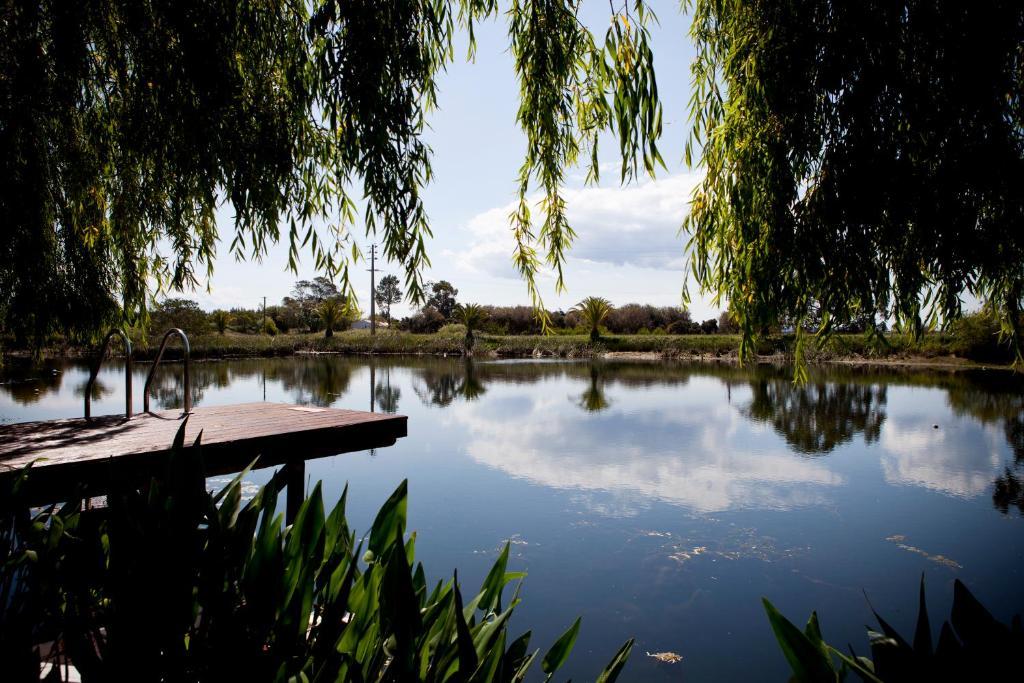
(373, 289)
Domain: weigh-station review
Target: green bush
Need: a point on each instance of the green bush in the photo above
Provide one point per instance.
(180, 584)
(270, 327)
(452, 330)
(181, 313)
(972, 646)
(977, 336)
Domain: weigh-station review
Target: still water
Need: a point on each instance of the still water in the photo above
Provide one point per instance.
(661, 501)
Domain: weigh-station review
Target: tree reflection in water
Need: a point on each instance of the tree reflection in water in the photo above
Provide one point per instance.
(385, 396)
(837, 406)
(818, 417)
(28, 384)
(593, 400)
(168, 388)
(440, 385)
(998, 401)
(1009, 491)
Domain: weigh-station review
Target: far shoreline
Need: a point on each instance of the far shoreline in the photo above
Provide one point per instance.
(931, 352)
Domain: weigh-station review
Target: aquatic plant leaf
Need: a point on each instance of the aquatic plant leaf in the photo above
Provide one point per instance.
(974, 625)
(516, 654)
(614, 667)
(390, 521)
(467, 652)
(491, 660)
(336, 526)
(559, 652)
(494, 583)
(923, 630)
(179, 436)
(948, 647)
(806, 660)
(888, 630)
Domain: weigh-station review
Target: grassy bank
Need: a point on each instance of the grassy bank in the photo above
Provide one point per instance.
(932, 348)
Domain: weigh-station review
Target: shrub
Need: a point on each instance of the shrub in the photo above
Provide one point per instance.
(727, 324)
(709, 326)
(427, 321)
(452, 330)
(245, 321)
(186, 585)
(632, 318)
(976, 336)
(516, 320)
(972, 646)
(270, 327)
(221, 320)
(181, 313)
(286, 317)
(684, 327)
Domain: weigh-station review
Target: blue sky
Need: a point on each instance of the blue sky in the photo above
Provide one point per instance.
(628, 248)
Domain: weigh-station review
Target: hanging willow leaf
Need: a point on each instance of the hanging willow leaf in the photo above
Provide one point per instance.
(126, 127)
(850, 166)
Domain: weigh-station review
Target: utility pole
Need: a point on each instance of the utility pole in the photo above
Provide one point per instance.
(263, 324)
(373, 290)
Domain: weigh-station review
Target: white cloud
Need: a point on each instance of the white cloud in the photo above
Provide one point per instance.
(638, 452)
(633, 225)
(951, 460)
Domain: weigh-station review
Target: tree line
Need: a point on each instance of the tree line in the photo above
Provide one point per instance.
(317, 305)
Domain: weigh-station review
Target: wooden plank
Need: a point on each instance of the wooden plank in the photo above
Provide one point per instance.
(68, 453)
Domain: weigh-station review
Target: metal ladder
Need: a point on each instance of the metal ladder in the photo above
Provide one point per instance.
(127, 372)
(129, 357)
(186, 348)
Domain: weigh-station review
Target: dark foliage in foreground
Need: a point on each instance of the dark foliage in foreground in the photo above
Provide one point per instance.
(180, 584)
(858, 156)
(972, 646)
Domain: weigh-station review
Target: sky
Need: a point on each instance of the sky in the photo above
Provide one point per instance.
(628, 246)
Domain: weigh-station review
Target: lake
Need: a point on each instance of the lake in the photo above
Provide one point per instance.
(659, 500)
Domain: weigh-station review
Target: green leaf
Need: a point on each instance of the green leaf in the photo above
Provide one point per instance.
(559, 652)
(516, 655)
(923, 630)
(806, 660)
(974, 625)
(494, 583)
(614, 668)
(399, 608)
(467, 652)
(390, 521)
(862, 666)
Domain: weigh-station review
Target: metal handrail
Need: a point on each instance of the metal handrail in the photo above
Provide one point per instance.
(159, 355)
(127, 372)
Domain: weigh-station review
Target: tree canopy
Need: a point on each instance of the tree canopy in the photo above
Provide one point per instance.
(387, 293)
(442, 298)
(125, 125)
(858, 157)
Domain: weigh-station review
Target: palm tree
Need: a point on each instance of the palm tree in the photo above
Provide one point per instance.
(594, 310)
(333, 311)
(221, 319)
(472, 316)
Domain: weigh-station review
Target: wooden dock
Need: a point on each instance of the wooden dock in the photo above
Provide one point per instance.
(72, 453)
